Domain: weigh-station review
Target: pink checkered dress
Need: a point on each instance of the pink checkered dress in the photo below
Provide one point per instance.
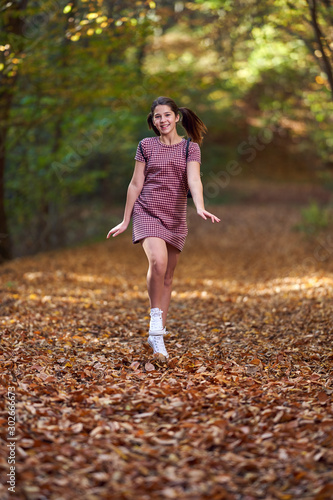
(160, 209)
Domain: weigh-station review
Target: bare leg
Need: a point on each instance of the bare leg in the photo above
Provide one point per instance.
(162, 259)
(157, 255)
(173, 256)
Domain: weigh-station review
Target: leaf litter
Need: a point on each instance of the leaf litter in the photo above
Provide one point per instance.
(242, 409)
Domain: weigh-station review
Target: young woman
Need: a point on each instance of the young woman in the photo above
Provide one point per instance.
(166, 167)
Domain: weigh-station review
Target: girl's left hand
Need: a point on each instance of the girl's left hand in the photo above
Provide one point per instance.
(207, 215)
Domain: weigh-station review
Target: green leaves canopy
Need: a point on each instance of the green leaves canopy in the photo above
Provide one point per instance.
(77, 79)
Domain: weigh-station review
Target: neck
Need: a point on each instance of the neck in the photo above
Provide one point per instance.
(170, 139)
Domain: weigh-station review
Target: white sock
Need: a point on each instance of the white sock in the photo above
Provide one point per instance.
(156, 321)
(155, 310)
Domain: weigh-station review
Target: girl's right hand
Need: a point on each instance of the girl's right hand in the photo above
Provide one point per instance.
(117, 229)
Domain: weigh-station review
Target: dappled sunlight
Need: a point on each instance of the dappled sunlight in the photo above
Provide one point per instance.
(210, 289)
(231, 265)
(72, 277)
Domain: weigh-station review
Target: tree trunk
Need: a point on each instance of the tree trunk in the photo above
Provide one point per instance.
(5, 243)
(11, 23)
(320, 39)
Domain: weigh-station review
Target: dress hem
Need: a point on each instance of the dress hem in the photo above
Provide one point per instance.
(172, 243)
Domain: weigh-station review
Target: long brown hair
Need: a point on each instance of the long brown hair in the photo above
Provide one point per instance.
(195, 128)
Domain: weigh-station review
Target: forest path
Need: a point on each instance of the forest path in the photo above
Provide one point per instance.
(243, 408)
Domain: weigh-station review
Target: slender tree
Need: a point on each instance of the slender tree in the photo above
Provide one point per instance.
(321, 39)
(12, 26)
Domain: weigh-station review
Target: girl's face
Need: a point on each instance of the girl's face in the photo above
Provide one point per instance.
(165, 119)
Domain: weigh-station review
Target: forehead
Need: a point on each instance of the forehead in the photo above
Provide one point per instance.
(161, 109)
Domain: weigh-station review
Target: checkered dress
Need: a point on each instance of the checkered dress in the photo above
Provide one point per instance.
(160, 209)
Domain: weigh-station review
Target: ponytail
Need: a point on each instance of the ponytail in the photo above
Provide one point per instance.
(195, 128)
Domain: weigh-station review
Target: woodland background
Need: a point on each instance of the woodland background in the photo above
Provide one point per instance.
(77, 80)
(243, 408)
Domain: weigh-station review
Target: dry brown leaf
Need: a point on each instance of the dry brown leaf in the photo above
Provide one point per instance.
(242, 408)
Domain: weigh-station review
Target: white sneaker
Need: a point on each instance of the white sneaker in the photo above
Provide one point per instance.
(157, 343)
(156, 322)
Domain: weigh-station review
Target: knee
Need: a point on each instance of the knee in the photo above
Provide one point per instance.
(168, 278)
(157, 267)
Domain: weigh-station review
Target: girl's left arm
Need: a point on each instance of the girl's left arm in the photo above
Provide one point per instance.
(195, 185)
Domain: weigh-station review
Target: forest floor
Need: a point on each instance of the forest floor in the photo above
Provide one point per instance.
(243, 408)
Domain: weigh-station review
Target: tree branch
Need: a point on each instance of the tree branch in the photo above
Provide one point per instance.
(319, 39)
(328, 4)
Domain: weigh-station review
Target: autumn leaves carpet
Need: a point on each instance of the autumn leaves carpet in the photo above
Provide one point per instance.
(243, 408)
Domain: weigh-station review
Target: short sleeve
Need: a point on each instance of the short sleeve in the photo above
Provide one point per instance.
(194, 153)
(139, 156)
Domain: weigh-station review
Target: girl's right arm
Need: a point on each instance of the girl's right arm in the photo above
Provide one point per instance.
(133, 191)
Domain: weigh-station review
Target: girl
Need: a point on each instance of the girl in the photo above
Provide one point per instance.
(166, 167)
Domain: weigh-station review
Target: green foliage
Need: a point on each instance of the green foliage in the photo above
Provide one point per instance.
(314, 218)
(326, 178)
(82, 75)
